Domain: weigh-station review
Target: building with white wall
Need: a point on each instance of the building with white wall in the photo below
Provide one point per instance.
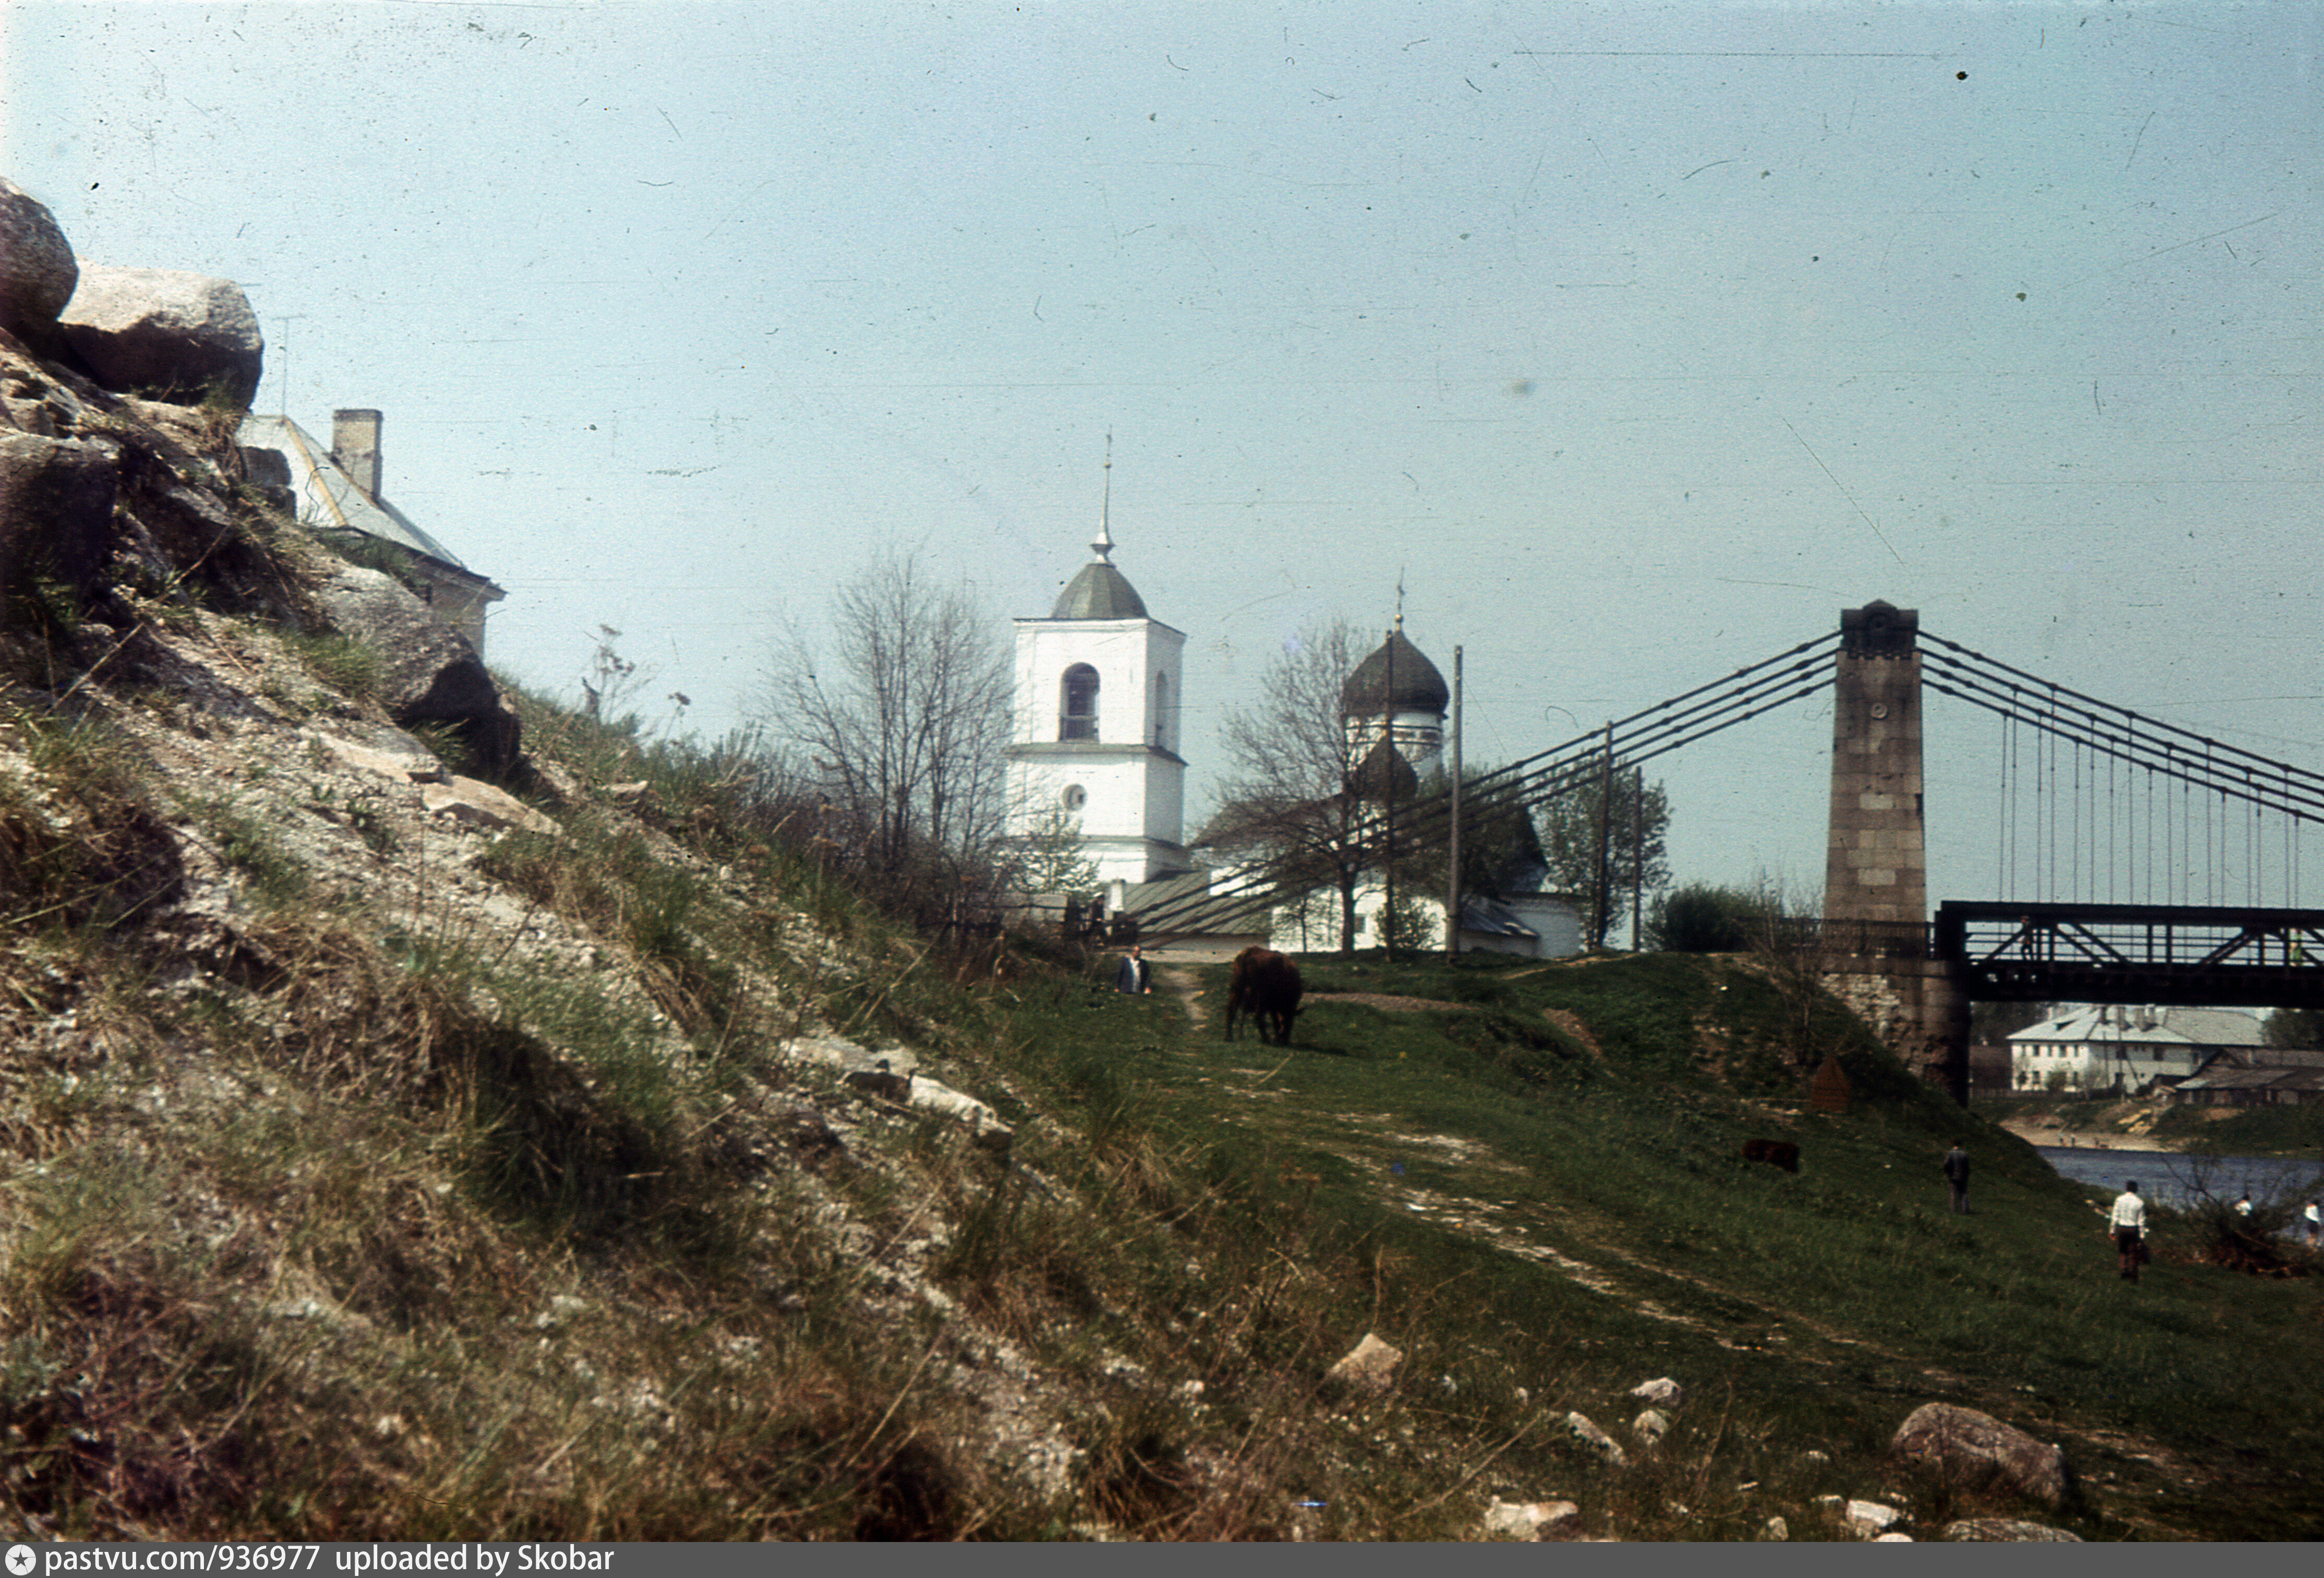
(1094, 741)
(2125, 1049)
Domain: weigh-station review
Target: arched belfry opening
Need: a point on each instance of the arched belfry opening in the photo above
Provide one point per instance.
(1077, 703)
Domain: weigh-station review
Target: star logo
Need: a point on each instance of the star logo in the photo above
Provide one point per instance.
(21, 1560)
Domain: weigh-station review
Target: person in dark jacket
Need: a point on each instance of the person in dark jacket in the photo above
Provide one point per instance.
(1957, 1174)
(1134, 977)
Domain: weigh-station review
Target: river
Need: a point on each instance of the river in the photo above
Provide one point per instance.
(2169, 1177)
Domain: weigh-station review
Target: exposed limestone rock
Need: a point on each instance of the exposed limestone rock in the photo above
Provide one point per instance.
(1776, 1529)
(1597, 1440)
(2005, 1530)
(1663, 1393)
(480, 805)
(1868, 1517)
(1963, 1443)
(166, 334)
(1651, 1425)
(37, 270)
(1369, 1367)
(431, 674)
(56, 512)
(1536, 1520)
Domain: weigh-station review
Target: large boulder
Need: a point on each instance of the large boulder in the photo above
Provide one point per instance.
(56, 512)
(429, 674)
(165, 334)
(1966, 1446)
(37, 272)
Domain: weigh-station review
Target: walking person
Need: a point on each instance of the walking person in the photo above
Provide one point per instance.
(2314, 1218)
(2126, 1225)
(1957, 1174)
(1134, 977)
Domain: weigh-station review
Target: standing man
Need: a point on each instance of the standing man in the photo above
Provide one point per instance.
(1957, 1174)
(2126, 1225)
(2314, 1218)
(1133, 976)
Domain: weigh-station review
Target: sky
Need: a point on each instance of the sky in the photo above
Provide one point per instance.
(1632, 342)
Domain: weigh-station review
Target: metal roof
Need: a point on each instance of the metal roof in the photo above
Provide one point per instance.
(2193, 1026)
(331, 501)
(1099, 592)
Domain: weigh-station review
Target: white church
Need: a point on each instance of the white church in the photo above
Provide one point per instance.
(1096, 745)
(1096, 725)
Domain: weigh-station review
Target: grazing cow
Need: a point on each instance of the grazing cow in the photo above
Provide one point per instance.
(1264, 985)
(1780, 1153)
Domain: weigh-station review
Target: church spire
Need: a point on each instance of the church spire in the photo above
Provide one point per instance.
(1103, 546)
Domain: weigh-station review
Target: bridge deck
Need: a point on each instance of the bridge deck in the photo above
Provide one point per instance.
(2135, 953)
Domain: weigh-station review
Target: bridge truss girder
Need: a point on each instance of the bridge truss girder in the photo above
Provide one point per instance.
(2189, 956)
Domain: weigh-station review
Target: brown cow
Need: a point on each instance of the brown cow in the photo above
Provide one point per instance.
(1781, 1153)
(1264, 985)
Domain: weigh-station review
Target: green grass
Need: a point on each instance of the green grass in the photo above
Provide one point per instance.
(1826, 1305)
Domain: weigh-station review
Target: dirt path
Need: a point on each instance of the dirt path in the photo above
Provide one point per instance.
(1182, 983)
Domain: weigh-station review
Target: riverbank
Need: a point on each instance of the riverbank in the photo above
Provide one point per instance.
(2294, 1133)
(2047, 1132)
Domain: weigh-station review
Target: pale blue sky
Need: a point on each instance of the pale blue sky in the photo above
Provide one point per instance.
(1637, 340)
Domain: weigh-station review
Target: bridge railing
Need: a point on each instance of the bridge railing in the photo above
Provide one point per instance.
(1797, 935)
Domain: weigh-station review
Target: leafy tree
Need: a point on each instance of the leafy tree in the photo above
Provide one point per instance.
(1705, 917)
(1048, 856)
(2298, 1027)
(1602, 845)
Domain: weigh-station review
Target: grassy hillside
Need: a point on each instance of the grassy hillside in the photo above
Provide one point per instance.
(1534, 1185)
(382, 1158)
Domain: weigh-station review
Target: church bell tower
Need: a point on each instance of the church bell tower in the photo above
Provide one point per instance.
(1095, 740)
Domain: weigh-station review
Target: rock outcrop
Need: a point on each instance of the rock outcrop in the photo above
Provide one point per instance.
(1964, 1445)
(165, 334)
(1369, 1367)
(37, 270)
(56, 512)
(431, 674)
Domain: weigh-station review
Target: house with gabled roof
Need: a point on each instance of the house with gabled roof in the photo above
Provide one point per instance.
(334, 492)
(2123, 1048)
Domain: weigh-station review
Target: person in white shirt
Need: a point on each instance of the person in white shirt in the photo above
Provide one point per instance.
(2126, 1225)
(2315, 1220)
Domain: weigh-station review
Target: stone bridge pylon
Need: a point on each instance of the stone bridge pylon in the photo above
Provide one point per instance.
(1876, 903)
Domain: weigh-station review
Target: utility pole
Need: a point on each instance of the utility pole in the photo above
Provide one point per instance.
(1453, 882)
(1601, 893)
(1637, 851)
(1388, 792)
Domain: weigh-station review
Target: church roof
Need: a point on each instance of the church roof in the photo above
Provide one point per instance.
(1099, 592)
(1419, 688)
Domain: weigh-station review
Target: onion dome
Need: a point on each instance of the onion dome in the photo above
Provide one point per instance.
(1384, 775)
(1418, 687)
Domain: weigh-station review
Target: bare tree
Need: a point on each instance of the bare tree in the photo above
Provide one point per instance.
(1291, 801)
(904, 720)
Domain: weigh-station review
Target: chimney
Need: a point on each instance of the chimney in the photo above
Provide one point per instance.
(355, 446)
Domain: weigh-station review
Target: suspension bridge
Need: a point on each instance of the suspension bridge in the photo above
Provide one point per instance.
(2165, 843)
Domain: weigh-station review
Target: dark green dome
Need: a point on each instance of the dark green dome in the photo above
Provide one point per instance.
(1419, 688)
(1099, 592)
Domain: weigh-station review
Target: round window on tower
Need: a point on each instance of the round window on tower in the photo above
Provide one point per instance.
(1074, 798)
